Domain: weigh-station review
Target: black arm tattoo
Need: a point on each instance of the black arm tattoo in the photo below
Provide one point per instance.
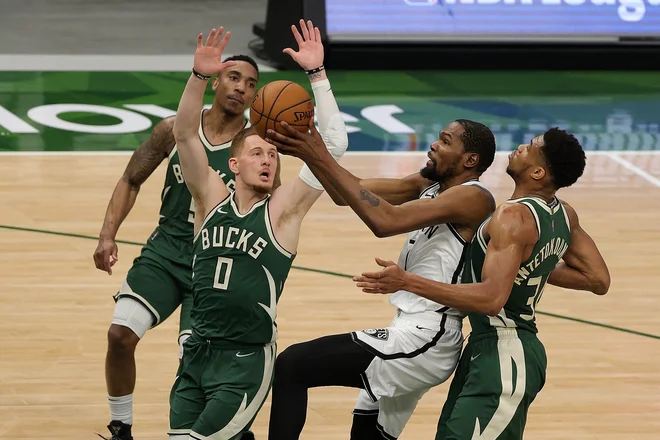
(314, 76)
(369, 197)
(150, 154)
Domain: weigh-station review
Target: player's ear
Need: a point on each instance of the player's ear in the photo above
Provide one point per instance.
(215, 83)
(233, 165)
(471, 160)
(538, 173)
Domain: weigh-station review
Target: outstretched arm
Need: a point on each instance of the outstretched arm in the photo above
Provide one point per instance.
(310, 56)
(583, 267)
(205, 186)
(393, 191)
(466, 205)
(144, 161)
(291, 202)
(512, 229)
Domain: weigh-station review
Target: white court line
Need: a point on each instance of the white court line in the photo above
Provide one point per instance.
(102, 63)
(640, 172)
(609, 153)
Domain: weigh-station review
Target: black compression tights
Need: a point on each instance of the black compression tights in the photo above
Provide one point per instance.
(328, 361)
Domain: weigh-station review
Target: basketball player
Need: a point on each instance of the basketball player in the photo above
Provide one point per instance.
(243, 248)
(511, 258)
(160, 278)
(440, 207)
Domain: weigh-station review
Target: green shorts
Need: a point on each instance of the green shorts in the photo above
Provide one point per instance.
(495, 383)
(219, 391)
(161, 285)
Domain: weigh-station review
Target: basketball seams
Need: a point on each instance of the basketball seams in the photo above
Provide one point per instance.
(275, 100)
(265, 121)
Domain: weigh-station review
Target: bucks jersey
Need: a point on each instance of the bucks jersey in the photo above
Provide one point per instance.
(554, 238)
(239, 270)
(435, 252)
(174, 233)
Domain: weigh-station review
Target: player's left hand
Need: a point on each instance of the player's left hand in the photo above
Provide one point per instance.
(305, 146)
(310, 48)
(208, 56)
(389, 280)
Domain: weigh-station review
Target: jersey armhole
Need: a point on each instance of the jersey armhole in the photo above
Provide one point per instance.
(271, 233)
(536, 216)
(210, 214)
(568, 220)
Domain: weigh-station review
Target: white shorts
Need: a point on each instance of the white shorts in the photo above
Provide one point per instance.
(417, 352)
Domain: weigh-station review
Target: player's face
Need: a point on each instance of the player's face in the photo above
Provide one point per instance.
(235, 88)
(257, 164)
(526, 158)
(446, 154)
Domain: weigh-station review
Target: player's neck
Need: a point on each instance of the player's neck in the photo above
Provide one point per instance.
(459, 180)
(245, 197)
(522, 191)
(220, 127)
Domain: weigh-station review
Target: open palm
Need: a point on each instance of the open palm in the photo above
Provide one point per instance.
(310, 48)
(208, 56)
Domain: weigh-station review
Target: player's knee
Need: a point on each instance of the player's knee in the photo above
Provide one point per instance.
(133, 316)
(288, 363)
(121, 339)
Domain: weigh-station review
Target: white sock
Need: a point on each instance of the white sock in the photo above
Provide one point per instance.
(121, 408)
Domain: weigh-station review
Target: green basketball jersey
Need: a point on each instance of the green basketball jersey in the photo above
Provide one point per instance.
(554, 238)
(239, 270)
(174, 234)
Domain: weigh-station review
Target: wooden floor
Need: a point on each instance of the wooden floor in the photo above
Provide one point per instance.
(55, 307)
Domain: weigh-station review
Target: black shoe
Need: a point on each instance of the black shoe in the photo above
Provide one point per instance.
(247, 435)
(119, 431)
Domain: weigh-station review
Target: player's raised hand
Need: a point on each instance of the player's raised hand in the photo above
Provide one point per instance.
(389, 280)
(208, 56)
(305, 146)
(105, 255)
(310, 49)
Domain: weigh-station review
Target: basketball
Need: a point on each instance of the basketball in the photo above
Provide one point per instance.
(281, 101)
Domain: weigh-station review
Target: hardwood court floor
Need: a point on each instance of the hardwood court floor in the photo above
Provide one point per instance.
(55, 307)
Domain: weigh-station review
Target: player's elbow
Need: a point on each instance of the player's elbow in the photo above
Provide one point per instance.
(182, 133)
(492, 308)
(493, 304)
(601, 285)
(381, 229)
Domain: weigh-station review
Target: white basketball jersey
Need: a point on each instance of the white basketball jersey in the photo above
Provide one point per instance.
(436, 253)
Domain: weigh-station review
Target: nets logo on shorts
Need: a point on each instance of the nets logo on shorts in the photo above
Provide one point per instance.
(379, 333)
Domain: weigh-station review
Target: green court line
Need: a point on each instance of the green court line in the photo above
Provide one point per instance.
(337, 274)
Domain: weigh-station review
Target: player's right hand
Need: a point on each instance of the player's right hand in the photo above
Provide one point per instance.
(310, 48)
(105, 255)
(208, 56)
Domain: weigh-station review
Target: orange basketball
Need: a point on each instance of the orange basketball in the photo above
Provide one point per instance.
(281, 101)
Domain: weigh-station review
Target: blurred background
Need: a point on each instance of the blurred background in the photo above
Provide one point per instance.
(83, 82)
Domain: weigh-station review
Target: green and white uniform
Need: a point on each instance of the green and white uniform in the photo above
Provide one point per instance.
(503, 365)
(160, 277)
(239, 271)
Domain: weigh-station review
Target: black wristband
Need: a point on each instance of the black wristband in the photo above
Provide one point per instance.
(317, 70)
(199, 75)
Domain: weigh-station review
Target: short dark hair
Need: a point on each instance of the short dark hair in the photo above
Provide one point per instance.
(246, 58)
(477, 138)
(239, 141)
(564, 157)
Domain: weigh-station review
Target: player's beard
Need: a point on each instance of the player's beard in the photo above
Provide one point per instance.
(441, 177)
(262, 188)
